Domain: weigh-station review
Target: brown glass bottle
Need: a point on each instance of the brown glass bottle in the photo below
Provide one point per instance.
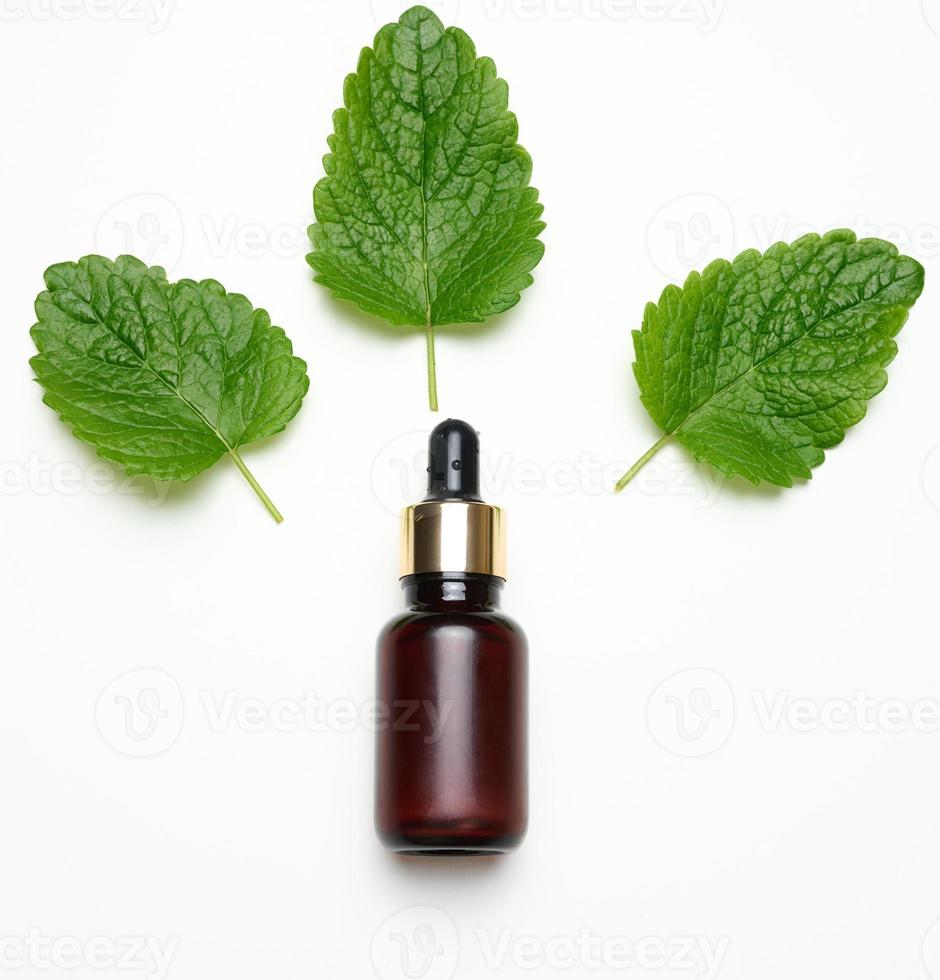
(451, 760)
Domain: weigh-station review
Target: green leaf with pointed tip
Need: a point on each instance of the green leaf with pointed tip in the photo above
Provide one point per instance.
(758, 365)
(163, 378)
(425, 216)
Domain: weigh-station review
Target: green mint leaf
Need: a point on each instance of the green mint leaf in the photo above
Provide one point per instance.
(163, 378)
(758, 365)
(425, 216)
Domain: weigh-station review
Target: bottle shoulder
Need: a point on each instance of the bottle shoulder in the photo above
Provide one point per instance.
(413, 621)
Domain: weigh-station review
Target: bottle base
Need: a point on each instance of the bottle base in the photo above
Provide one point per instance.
(450, 842)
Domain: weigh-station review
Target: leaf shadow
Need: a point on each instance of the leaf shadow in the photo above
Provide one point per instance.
(151, 494)
(736, 486)
(143, 490)
(181, 492)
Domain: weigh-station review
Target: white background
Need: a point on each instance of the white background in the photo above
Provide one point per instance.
(737, 806)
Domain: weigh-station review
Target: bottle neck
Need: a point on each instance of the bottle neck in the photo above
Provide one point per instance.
(452, 592)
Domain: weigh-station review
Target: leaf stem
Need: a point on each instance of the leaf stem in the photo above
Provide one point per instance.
(641, 462)
(432, 370)
(256, 486)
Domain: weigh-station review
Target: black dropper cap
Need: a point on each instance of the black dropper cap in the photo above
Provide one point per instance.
(453, 462)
